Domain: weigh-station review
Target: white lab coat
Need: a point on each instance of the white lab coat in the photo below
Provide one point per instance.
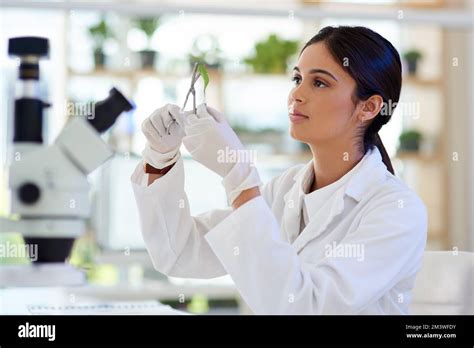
(278, 270)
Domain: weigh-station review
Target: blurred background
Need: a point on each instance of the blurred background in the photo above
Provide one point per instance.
(147, 49)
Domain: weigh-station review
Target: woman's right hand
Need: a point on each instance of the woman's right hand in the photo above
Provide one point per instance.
(164, 136)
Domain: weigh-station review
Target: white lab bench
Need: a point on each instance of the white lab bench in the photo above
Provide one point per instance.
(94, 299)
(70, 301)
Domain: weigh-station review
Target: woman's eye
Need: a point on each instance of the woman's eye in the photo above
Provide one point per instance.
(317, 83)
(320, 84)
(296, 79)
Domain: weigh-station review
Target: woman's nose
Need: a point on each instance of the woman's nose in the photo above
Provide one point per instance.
(297, 94)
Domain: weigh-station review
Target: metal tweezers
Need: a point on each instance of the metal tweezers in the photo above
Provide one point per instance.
(194, 77)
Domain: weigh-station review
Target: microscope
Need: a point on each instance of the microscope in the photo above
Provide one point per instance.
(48, 186)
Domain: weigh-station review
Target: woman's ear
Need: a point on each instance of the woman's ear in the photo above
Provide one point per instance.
(370, 108)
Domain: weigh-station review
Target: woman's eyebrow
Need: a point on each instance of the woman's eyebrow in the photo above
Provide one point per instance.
(314, 71)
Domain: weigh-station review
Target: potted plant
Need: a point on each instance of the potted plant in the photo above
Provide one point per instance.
(409, 141)
(272, 55)
(99, 34)
(412, 57)
(148, 26)
(206, 50)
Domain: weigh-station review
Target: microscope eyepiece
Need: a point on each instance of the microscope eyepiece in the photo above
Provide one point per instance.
(28, 46)
(106, 111)
(28, 111)
(30, 49)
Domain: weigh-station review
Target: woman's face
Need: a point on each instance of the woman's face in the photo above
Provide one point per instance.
(323, 93)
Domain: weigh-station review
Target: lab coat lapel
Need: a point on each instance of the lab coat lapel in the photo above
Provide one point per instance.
(293, 204)
(368, 176)
(292, 214)
(319, 223)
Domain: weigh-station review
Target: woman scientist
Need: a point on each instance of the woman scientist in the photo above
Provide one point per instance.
(338, 235)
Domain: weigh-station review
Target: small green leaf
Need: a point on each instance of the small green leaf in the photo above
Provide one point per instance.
(205, 76)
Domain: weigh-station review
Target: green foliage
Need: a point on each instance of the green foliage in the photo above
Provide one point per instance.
(204, 74)
(99, 33)
(272, 55)
(410, 135)
(410, 140)
(412, 55)
(148, 25)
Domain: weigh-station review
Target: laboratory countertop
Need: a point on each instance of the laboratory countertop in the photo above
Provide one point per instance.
(106, 300)
(67, 301)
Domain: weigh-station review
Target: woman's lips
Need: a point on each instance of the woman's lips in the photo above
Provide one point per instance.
(297, 118)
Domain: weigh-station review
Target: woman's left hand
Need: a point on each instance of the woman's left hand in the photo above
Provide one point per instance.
(213, 143)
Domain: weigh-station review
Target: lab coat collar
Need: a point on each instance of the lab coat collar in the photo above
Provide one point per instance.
(370, 173)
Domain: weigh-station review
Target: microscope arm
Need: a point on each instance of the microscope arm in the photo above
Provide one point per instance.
(82, 144)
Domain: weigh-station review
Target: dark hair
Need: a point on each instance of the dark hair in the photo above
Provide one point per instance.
(375, 65)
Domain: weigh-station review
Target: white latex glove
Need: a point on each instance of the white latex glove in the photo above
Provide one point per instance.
(162, 147)
(213, 143)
